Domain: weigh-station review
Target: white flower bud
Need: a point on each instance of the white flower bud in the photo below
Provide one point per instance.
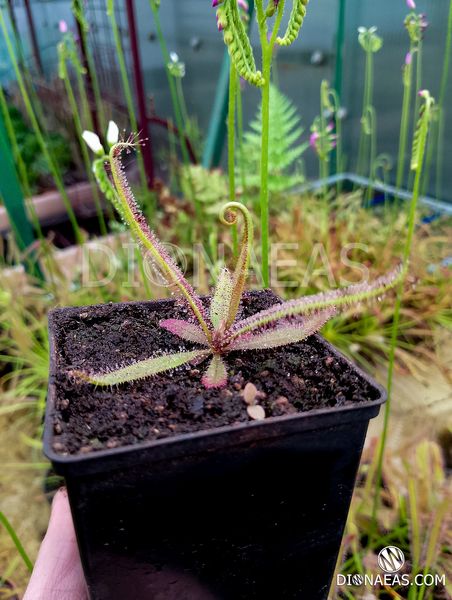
(112, 133)
(93, 142)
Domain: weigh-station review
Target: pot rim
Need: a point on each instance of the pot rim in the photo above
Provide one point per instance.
(269, 428)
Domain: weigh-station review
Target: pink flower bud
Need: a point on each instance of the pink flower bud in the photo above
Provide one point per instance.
(408, 58)
(62, 26)
(313, 139)
(411, 4)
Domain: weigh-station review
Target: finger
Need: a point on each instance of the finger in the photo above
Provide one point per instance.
(58, 574)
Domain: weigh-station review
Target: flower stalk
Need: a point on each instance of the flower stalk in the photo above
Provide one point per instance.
(416, 166)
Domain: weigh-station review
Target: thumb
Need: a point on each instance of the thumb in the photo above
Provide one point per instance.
(58, 574)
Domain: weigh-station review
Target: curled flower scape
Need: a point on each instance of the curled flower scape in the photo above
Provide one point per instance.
(218, 328)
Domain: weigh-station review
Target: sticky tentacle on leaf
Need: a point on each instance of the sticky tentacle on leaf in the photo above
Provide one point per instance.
(336, 298)
(185, 330)
(130, 212)
(228, 217)
(296, 19)
(141, 369)
(216, 374)
(221, 301)
(283, 333)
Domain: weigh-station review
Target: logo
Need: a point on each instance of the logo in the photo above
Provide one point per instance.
(391, 559)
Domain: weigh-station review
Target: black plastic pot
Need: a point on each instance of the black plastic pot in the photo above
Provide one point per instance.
(251, 511)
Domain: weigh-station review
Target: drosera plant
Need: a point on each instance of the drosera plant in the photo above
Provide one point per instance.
(218, 329)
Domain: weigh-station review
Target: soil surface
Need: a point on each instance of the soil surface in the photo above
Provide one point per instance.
(290, 379)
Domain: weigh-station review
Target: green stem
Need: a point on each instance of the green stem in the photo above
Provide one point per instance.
(418, 88)
(240, 136)
(16, 541)
(182, 104)
(231, 147)
(39, 136)
(178, 112)
(86, 159)
(404, 121)
(367, 101)
(339, 153)
(423, 133)
(26, 188)
(94, 82)
(373, 151)
(267, 55)
(441, 99)
(266, 71)
(126, 85)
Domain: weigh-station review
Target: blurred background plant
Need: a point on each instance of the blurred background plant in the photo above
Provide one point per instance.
(94, 67)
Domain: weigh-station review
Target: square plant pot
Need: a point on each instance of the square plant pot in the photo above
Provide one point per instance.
(175, 493)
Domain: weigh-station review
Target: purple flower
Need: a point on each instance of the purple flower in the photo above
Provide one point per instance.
(423, 22)
(216, 3)
(411, 4)
(313, 139)
(408, 58)
(243, 4)
(62, 26)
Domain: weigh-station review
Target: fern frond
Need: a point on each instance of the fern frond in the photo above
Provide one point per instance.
(285, 150)
(295, 22)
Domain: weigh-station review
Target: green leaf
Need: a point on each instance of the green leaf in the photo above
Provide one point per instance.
(343, 297)
(140, 369)
(221, 301)
(283, 334)
(216, 375)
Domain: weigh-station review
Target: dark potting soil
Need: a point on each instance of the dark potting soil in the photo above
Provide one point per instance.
(290, 379)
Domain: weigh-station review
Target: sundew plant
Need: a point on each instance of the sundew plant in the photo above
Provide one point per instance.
(218, 328)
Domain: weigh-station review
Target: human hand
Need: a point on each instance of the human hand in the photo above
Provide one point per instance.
(58, 573)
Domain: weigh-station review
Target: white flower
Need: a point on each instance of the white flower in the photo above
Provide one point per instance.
(174, 57)
(93, 142)
(112, 133)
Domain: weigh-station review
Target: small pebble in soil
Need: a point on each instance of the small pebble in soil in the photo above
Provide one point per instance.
(250, 393)
(256, 412)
